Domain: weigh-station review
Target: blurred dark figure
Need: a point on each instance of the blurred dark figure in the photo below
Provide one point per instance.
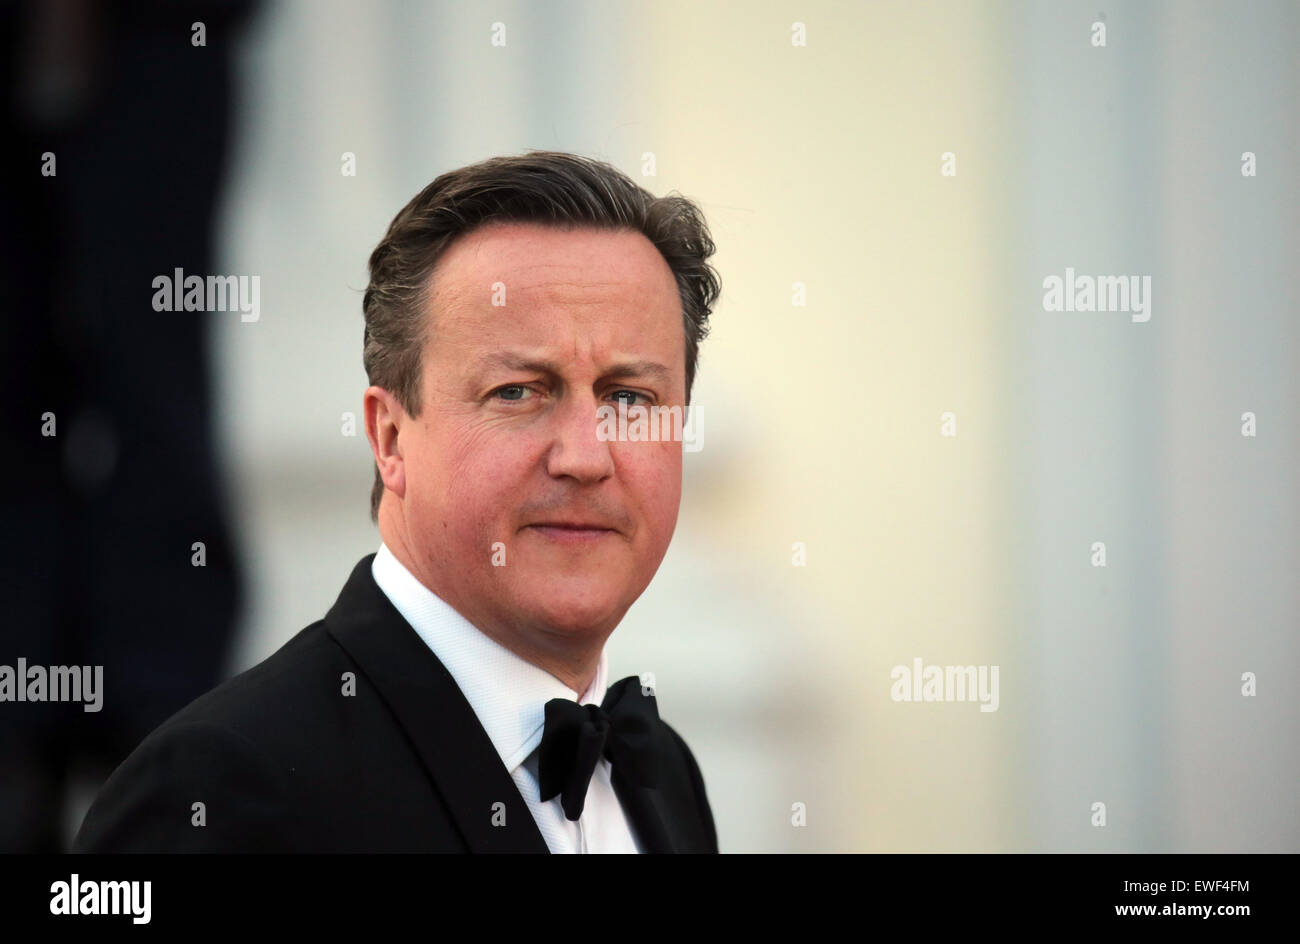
(100, 519)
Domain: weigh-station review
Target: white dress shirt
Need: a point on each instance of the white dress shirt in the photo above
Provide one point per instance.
(509, 696)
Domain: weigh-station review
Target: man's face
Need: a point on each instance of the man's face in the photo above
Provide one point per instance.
(504, 462)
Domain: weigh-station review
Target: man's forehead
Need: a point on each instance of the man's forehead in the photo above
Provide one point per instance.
(536, 284)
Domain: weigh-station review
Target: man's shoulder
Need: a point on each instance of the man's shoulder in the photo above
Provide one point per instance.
(680, 743)
(263, 762)
(695, 779)
(215, 776)
(273, 691)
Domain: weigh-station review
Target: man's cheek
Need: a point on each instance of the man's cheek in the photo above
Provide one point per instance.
(663, 505)
(656, 479)
(492, 523)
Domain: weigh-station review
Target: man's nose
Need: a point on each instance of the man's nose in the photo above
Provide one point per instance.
(576, 451)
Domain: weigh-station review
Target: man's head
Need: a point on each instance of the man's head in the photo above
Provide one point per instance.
(508, 302)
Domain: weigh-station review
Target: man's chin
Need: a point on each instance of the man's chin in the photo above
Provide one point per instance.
(575, 607)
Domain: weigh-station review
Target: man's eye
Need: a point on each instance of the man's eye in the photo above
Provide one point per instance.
(512, 392)
(632, 394)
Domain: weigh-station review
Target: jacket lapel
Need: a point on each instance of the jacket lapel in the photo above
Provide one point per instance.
(430, 707)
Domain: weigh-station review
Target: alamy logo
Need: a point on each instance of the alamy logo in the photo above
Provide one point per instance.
(650, 424)
(84, 683)
(1099, 293)
(946, 683)
(76, 897)
(181, 292)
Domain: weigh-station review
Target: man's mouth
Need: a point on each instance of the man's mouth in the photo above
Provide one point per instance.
(571, 532)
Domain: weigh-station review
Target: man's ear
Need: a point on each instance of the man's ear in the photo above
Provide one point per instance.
(384, 418)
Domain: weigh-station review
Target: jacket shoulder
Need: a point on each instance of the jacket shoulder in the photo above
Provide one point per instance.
(190, 786)
(697, 787)
(212, 778)
(272, 691)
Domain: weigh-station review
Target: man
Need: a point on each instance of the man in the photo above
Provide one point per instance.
(454, 698)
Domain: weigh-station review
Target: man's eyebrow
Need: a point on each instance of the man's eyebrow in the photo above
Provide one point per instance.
(640, 369)
(625, 369)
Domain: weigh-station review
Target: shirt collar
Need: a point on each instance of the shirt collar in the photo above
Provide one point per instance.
(508, 693)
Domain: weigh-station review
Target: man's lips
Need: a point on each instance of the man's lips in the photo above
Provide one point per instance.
(570, 532)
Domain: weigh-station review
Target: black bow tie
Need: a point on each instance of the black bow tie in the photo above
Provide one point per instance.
(574, 737)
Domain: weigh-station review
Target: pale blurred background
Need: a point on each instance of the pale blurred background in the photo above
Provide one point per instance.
(820, 164)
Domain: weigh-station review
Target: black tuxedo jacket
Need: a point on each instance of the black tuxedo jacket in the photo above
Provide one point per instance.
(282, 760)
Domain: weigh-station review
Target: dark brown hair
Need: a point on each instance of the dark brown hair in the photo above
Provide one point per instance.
(547, 187)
